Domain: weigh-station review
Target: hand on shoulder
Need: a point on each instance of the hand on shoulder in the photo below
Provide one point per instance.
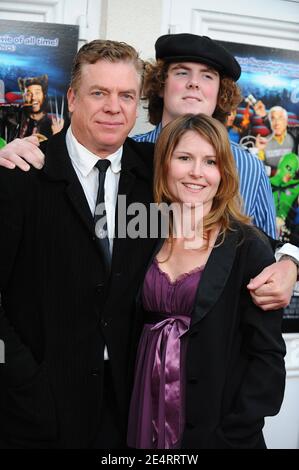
(22, 153)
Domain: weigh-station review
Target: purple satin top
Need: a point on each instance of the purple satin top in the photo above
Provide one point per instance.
(156, 419)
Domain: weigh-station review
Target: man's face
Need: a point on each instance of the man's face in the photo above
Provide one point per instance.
(34, 96)
(278, 122)
(104, 108)
(189, 88)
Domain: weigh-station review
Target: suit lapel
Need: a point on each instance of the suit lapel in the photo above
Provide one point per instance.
(132, 166)
(59, 167)
(214, 277)
(133, 172)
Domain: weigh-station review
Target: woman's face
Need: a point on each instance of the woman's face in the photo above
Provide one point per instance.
(193, 173)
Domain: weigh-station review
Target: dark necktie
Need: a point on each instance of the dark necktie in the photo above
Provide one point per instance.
(100, 211)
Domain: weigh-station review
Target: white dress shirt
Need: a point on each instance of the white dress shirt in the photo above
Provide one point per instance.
(293, 252)
(84, 162)
(287, 249)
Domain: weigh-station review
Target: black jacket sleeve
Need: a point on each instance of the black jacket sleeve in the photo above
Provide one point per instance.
(260, 390)
(19, 362)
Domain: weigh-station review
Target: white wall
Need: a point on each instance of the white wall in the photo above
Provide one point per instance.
(85, 13)
(282, 431)
(137, 22)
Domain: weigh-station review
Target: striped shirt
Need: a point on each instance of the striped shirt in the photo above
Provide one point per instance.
(254, 184)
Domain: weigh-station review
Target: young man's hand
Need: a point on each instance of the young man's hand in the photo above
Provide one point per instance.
(273, 287)
(22, 153)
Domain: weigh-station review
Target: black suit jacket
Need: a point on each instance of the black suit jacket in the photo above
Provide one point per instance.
(60, 306)
(235, 371)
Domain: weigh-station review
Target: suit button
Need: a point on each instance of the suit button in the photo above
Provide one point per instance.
(95, 372)
(99, 287)
(104, 322)
(192, 380)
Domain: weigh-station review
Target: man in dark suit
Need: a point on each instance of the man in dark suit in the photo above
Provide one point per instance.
(67, 298)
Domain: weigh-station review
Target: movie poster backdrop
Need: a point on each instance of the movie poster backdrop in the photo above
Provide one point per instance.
(36, 60)
(267, 123)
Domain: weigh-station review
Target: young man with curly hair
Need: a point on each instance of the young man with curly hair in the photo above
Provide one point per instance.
(194, 74)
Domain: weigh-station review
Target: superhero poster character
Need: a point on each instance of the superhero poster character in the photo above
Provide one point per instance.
(35, 119)
(31, 116)
(285, 187)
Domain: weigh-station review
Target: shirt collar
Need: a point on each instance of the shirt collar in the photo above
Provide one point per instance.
(158, 129)
(84, 160)
(280, 138)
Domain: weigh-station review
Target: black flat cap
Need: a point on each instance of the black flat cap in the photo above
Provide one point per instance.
(187, 47)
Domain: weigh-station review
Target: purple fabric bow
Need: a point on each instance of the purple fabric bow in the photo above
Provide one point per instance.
(166, 382)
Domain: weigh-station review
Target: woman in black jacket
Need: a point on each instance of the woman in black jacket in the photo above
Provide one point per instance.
(210, 363)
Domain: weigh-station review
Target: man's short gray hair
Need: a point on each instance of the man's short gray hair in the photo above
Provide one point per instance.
(278, 108)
